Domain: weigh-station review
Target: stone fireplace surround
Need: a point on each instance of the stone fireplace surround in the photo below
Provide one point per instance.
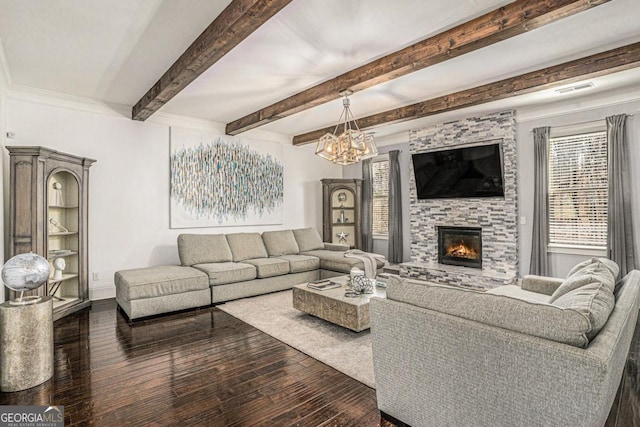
(496, 216)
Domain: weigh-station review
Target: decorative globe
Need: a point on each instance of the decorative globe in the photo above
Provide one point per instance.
(25, 272)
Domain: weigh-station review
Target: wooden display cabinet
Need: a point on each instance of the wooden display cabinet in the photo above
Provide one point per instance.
(342, 215)
(49, 193)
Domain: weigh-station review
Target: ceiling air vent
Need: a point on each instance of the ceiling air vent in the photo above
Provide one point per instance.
(574, 88)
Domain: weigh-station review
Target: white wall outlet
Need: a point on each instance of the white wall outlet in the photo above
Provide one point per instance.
(523, 220)
(95, 276)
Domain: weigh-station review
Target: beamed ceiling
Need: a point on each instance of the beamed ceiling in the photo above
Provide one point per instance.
(279, 65)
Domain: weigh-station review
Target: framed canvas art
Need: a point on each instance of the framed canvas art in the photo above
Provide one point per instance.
(217, 180)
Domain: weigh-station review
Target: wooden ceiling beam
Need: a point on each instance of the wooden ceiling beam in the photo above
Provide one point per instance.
(600, 64)
(500, 24)
(236, 22)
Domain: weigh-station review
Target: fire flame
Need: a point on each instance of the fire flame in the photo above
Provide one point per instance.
(461, 250)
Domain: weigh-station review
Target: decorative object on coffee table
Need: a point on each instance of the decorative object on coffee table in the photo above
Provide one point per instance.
(26, 326)
(358, 284)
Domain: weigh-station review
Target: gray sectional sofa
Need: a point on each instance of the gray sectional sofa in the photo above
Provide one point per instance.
(222, 267)
(548, 352)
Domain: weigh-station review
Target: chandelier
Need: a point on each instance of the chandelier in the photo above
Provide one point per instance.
(352, 145)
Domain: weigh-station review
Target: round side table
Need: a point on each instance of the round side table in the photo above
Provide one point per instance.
(26, 344)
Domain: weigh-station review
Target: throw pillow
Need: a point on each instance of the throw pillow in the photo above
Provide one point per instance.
(611, 265)
(595, 301)
(593, 271)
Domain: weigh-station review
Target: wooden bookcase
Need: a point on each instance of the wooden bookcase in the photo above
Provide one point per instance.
(342, 211)
(48, 203)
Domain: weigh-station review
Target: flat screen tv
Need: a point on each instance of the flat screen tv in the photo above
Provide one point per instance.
(459, 172)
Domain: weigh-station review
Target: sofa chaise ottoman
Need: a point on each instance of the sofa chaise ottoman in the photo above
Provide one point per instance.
(144, 292)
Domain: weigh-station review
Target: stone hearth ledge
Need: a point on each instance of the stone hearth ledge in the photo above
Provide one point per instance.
(465, 277)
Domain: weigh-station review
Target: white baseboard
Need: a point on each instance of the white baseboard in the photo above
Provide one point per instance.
(102, 292)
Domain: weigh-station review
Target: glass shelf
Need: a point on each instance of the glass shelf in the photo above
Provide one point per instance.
(61, 255)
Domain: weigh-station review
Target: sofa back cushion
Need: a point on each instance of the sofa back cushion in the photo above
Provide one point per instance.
(308, 239)
(246, 246)
(203, 248)
(538, 319)
(280, 243)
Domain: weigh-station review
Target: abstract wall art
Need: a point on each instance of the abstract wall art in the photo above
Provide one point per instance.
(222, 181)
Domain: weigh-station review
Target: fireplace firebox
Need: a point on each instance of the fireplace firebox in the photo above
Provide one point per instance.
(460, 246)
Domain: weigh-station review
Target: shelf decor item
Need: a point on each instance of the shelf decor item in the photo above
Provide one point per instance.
(57, 194)
(25, 272)
(59, 265)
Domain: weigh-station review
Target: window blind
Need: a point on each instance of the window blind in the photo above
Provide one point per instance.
(380, 197)
(578, 190)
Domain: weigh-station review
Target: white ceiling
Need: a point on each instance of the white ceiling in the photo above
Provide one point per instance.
(114, 51)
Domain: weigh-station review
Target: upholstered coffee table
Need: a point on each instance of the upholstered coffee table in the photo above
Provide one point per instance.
(332, 306)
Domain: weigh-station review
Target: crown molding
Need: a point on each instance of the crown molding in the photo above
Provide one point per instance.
(88, 105)
(41, 96)
(616, 97)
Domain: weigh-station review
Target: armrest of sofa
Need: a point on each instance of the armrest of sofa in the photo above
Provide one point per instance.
(540, 284)
(335, 247)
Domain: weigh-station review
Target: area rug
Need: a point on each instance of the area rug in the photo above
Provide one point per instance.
(347, 351)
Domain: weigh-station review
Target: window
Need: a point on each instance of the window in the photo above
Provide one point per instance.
(578, 190)
(380, 166)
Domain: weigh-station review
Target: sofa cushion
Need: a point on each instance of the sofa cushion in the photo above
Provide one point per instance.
(595, 301)
(221, 273)
(308, 239)
(593, 272)
(203, 248)
(269, 267)
(281, 242)
(336, 261)
(515, 291)
(538, 319)
(246, 246)
(300, 263)
(158, 281)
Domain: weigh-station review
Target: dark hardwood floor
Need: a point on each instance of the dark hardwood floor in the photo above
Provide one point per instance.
(207, 368)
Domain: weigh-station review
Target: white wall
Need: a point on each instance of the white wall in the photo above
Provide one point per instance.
(560, 264)
(129, 183)
(381, 246)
